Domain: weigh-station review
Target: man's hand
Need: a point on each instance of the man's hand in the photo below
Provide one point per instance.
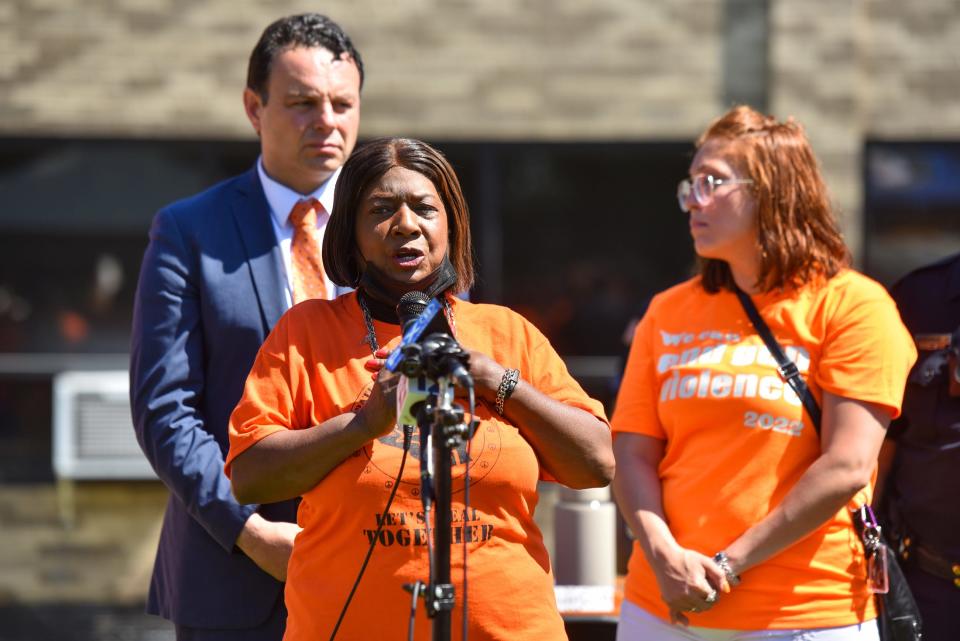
(268, 544)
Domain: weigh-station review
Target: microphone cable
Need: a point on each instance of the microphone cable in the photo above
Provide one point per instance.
(426, 499)
(417, 586)
(407, 437)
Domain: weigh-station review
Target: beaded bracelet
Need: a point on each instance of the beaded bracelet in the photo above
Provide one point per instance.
(507, 384)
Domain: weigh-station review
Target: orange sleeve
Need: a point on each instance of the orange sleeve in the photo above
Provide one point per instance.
(636, 408)
(546, 371)
(267, 404)
(867, 352)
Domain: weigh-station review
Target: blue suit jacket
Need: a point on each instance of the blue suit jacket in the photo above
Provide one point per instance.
(211, 287)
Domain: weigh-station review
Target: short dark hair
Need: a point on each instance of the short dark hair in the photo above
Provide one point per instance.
(362, 169)
(798, 234)
(302, 30)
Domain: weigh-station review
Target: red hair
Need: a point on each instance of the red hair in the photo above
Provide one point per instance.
(798, 235)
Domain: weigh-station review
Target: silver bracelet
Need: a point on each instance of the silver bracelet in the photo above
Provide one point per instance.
(721, 559)
(507, 384)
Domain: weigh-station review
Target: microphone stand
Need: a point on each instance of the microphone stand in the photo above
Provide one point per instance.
(440, 358)
(442, 420)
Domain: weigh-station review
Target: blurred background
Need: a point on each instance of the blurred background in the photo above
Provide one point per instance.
(569, 122)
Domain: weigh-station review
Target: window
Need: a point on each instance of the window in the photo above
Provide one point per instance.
(911, 206)
(576, 236)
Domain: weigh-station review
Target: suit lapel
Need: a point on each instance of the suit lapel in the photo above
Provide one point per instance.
(252, 216)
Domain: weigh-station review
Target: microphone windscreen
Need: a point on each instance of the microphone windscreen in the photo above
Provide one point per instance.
(410, 306)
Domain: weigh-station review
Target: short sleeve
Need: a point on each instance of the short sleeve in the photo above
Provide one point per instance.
(548, 373)
(636, 408)
(267, 404)
(867, 353)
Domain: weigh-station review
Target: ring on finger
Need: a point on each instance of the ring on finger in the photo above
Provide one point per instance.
(712, 597)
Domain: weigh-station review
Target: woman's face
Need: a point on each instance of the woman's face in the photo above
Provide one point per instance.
(402, 226)
(725, 226)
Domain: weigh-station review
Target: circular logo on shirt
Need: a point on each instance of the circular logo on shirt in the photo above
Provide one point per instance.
(484, 449)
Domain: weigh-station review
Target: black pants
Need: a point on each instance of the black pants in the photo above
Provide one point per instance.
(939, 602)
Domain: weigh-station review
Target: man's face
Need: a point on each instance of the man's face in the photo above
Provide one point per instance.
(309, 121)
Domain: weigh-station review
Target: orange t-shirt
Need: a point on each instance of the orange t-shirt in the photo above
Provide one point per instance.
(737, 438)
(311, 369)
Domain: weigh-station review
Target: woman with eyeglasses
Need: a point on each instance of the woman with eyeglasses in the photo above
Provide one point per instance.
(740, 508)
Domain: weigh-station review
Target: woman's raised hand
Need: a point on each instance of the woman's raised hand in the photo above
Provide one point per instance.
(379, 413)
(376, 362)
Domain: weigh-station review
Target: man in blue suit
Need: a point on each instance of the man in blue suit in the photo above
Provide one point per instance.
(215, 278)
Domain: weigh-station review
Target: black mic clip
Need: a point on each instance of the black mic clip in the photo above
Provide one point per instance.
(442, 356)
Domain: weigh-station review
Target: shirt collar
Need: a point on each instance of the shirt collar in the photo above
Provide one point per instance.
(282, 199)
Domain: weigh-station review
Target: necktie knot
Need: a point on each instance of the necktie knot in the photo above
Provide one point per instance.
(304, 213)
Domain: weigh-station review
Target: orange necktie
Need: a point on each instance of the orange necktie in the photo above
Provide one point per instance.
(305, 260)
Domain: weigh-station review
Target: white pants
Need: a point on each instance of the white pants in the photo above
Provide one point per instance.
(636, 624)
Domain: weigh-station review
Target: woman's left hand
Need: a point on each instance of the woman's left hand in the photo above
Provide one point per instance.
(486, 373)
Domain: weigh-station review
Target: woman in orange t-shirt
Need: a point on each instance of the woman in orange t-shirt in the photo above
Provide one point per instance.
(740, 508)
(312, 422)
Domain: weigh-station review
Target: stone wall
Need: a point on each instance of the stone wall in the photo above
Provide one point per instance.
(86, 542)
(816, 64)
(496, 70)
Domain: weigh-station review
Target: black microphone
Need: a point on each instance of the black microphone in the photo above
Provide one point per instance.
(411, 305)
(439, 353)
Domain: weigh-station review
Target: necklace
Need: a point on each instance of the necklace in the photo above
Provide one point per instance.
(371, 338)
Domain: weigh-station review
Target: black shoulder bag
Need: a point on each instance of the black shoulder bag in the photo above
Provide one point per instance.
(899, 616)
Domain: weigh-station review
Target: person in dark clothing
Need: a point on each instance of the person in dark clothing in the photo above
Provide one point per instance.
(920, 460)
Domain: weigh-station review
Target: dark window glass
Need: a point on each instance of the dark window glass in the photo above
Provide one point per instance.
(25, 435)
(577, 237)
(74, 227)
(911, 205)
(585, 233)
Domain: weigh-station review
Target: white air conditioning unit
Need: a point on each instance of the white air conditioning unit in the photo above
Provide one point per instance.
(92, 430)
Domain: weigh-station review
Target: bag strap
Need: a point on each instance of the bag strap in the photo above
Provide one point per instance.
(788, 369)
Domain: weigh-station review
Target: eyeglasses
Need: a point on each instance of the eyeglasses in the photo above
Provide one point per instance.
(702, 186)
